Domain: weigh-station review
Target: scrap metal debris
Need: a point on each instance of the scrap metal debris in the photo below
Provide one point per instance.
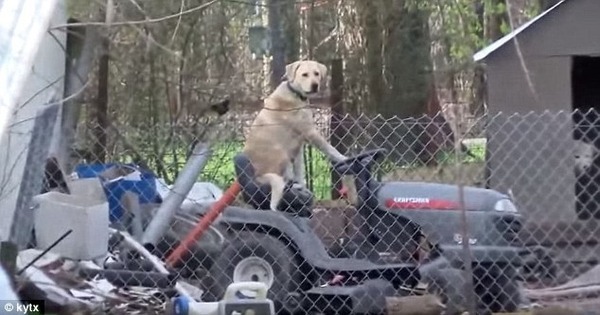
(119, 284)
(585, 285)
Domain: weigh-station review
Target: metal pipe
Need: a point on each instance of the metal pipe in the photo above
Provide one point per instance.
(183, 184)
(196, 233)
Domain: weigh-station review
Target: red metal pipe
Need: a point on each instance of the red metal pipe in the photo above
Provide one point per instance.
(196, 233)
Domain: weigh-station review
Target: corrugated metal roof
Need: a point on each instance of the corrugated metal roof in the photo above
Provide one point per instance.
(482, 54)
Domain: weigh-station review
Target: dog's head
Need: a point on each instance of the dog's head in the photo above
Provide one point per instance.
(306, 76)
(585, 153)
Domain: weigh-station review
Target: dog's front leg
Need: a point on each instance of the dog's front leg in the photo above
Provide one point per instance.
(319, 141)
(277, 184)
(289, 173)
(299, 177)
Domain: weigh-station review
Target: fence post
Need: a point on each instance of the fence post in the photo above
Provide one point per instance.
(337, 114)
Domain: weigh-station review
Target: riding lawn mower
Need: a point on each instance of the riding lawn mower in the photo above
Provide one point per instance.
(384, 258)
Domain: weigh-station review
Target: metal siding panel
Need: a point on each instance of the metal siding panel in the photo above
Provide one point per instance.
(532, 155)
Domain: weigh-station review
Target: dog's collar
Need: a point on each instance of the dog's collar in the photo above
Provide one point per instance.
(298, 94)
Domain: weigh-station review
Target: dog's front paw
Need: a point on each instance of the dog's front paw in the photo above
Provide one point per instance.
(340, 159)
(297, 185)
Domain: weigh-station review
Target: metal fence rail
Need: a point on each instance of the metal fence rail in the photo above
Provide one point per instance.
(530, 186)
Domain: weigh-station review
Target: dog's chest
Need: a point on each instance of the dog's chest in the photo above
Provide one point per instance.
(296, 121)
(303, 117)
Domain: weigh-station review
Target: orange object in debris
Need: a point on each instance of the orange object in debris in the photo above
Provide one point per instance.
(211, 215)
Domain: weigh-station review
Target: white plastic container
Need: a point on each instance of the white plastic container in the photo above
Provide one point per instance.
(256, 303)
(87, 217)
(87, 188)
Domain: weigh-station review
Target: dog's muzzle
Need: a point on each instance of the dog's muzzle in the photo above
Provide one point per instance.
(314, 88)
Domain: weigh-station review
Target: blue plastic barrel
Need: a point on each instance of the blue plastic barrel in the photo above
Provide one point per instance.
(145, 188)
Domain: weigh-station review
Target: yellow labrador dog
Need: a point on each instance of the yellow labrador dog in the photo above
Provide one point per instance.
(276, 137)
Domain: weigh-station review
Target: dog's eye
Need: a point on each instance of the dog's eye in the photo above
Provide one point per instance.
(316, 74)
(305, 74)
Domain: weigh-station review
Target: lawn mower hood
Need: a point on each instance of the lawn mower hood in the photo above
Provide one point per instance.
(398, 196)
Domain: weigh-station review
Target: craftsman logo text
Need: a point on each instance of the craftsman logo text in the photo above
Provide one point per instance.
(411, 200)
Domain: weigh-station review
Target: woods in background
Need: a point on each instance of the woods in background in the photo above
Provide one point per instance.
(162, 63)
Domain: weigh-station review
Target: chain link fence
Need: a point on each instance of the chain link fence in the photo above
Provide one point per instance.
(382, 238)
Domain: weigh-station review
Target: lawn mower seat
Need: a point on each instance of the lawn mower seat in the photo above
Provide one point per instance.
(295, 200)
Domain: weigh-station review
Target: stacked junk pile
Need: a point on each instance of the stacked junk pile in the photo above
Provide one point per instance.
(87, 255)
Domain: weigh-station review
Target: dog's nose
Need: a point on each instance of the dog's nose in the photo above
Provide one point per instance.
(314, 87)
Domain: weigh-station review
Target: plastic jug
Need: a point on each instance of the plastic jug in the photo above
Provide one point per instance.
(184, 306)
(240, 298)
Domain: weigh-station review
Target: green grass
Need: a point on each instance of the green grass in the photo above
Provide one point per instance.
(219, 169)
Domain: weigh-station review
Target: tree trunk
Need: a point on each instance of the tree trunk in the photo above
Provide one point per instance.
(292, 32)
(81, 52)
(373, 46)
(478, 90)
(494, 18)
(408, 63)
(277, 41)
(443, 68)
(101, 110)
(99, 150)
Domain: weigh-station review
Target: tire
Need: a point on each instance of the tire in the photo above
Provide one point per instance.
(498, 287)
(257, 249)
(507, 297)
(539, 265)
(449, 284)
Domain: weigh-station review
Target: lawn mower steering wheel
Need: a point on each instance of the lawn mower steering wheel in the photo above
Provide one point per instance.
(346, 165)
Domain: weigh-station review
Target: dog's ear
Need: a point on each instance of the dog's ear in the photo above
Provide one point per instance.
(323, 70)
(290, 70)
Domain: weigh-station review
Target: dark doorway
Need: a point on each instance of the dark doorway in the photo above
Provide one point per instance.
(585, 88)
(585, 82)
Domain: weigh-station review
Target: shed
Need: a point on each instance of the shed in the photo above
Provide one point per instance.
(536, 76)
